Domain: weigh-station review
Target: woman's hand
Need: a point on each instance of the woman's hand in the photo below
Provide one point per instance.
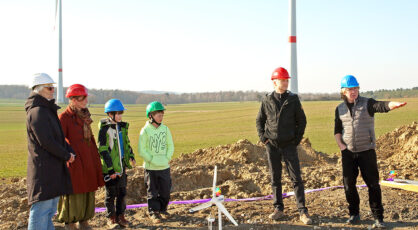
(71, 160)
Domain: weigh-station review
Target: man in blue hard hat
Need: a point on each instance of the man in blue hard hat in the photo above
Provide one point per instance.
(355, 136)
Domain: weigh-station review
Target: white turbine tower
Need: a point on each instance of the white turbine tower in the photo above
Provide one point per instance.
(60, 90)
(292, 41)
(218, 202)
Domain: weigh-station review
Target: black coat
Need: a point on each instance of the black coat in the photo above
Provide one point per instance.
(282, 126)
(47, 173)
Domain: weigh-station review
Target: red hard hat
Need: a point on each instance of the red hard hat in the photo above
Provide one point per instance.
(280, 73)
(76, 90)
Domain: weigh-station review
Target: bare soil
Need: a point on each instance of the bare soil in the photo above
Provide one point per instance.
(243, 173)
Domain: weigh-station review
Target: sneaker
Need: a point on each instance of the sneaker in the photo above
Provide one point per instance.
(112, 222)
(122, 221)
(304, 217)
(84, 225)
(354, 219)
(165, 214)
(277, 214)
(155, 217)
(379, 224)
(70, 226)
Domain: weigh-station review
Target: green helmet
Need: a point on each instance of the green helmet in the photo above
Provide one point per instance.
(154, 106)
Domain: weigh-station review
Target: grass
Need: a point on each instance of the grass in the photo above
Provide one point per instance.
(194, 126)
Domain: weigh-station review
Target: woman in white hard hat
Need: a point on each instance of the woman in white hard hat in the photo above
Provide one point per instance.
(48, 153)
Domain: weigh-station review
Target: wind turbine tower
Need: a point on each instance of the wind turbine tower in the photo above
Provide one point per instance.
(293, 55)
(60, 90)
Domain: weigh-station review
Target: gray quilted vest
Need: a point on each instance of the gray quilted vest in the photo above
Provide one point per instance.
(358, 130)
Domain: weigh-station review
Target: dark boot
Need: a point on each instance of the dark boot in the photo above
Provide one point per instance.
(122, 221)
(379, 224)
(165, 214)
(277, 214)
(354, 219)
(155, 217)
(112, 222)
(84, 225)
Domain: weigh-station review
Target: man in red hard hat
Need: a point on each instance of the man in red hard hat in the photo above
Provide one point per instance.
(281, 124)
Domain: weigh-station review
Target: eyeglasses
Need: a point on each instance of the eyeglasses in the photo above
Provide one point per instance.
(119, 112)
(80, 98)
(50, 88)
(353, 89)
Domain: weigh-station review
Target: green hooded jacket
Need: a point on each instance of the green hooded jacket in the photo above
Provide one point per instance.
(109, 147)
(156, 146)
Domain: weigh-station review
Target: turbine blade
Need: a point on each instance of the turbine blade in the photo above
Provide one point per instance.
(202, 206)
(56, 9)
(219, 220)
(223, 209)
(214, 181)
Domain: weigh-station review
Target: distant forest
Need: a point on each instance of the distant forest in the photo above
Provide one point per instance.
(100, 96)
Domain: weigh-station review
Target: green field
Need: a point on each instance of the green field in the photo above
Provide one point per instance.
(193, 126)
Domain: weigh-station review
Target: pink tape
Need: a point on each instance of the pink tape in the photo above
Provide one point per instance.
(268, 197)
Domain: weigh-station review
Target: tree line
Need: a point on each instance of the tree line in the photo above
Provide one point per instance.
(100, 96)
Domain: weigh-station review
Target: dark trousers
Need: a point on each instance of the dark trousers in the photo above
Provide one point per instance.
(367, 163)
(158, 183)
(289, 155)
(116, 189)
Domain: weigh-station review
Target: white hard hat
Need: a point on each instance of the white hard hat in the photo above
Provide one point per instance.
(41, 79)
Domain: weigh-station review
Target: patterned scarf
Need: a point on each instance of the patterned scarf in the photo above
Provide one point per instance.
(85, 116)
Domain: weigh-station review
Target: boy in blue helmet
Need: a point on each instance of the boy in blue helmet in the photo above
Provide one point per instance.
(116, 155)
(354, 134)
(156, 148)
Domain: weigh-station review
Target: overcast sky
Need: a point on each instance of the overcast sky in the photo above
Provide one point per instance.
(197, 45)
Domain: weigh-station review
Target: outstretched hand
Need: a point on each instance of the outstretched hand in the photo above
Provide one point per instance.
(394, 105)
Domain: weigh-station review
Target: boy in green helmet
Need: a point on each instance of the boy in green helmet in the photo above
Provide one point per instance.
(156, 148)
(116, 155)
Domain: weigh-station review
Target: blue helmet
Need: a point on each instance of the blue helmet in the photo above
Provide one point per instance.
(114, 105)
(349, 81)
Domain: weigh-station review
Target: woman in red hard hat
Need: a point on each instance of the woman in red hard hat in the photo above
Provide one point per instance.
(86, 170)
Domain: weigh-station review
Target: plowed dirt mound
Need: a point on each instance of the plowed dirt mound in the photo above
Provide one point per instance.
(13, 203)
(242, 172)
(400, 143)
(399, 151)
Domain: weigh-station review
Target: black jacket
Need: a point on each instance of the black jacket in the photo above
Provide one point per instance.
(282, 126)
(47, 173)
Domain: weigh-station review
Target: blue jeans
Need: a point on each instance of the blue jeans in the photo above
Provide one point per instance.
(41, 213)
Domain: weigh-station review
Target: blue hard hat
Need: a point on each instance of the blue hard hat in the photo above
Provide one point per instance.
(114, 105)
(349, 81)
